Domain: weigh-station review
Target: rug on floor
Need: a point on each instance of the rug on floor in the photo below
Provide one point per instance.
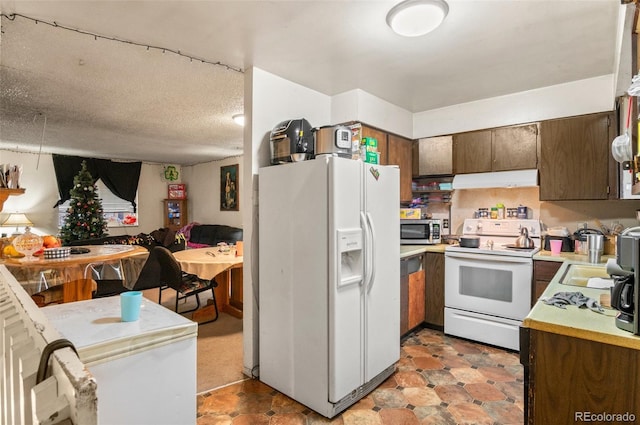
(219, 353)
(219, 344)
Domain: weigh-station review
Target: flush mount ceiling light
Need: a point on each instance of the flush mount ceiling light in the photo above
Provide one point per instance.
(238, 119)
(412, 18)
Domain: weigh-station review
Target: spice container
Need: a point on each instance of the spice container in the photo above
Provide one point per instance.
(494, 213)
(522, 211)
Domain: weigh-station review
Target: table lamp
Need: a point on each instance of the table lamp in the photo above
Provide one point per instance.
(17, 219)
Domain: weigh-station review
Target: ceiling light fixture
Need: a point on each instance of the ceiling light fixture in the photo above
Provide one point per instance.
(412, 18)
(238, 119)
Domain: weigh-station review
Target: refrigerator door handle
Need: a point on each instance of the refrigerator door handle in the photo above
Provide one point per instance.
(366, 253)
(372, 246)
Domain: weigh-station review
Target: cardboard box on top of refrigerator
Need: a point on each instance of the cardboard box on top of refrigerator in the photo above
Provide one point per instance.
(410, 213)
(372, 157)
(370, 144)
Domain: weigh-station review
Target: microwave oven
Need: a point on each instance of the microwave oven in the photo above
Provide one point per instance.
(420, 231)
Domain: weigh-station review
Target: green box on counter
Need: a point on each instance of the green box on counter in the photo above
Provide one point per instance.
(370, 144)
(372, 157)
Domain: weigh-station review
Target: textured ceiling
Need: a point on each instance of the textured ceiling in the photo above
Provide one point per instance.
(109, 99)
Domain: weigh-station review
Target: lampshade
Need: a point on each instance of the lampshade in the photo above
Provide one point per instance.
(17, 219)
(412, 18)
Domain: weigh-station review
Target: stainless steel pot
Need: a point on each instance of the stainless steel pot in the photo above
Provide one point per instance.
(469, 241)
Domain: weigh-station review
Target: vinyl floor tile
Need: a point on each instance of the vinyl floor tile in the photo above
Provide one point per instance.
(438, 380)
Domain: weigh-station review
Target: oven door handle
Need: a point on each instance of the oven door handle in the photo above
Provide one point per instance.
(493, 258)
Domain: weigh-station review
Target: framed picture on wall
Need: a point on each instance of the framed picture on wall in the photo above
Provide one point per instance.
(229, 189)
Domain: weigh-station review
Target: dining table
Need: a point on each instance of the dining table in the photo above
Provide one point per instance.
(220, 264)
(73, 268)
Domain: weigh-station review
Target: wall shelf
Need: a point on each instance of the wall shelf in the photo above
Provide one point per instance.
(5, 193)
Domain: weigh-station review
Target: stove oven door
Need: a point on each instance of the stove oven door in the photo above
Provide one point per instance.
(486, 297)
(498, 285)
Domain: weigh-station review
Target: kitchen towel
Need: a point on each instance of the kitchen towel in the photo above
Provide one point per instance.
(599, 282)
(562, 299)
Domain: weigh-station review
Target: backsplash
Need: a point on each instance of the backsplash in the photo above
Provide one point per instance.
(561, 213)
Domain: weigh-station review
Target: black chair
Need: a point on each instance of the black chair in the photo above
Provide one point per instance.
(185, 284)
(150, 277)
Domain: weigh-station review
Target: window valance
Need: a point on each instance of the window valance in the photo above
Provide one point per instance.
(120, 177)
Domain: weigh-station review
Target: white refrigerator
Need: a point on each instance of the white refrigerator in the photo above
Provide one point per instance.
(329, 279)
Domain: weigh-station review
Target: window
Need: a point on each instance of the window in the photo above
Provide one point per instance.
(117, 212)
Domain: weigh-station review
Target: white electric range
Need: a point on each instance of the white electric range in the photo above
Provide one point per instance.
(488, 289)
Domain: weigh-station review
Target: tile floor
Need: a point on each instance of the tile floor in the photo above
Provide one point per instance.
(439, 380)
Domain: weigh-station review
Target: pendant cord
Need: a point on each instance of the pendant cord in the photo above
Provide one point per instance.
(44, 126)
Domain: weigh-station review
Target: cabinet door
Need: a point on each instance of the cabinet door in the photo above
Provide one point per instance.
(399, 153)
(472, 152)
(404, 297)
(433, 156)
(575, 158)
(543, 272)
(434, 288)
(416, 299)
(381, 137)
(515, 148)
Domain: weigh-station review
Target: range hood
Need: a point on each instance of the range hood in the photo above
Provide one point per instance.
(506, 179)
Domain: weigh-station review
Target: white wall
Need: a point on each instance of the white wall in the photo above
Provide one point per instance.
(269, 100)
(203, 192)
(358, 105)
(152, 190)
(563, 100)
(41, 194)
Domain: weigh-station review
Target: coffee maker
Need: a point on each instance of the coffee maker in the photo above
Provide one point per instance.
(626, 290)
(291, 139)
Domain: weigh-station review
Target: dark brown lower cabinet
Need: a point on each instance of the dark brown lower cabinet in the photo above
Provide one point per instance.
(572, 380)
(434, 289)
(543, 272)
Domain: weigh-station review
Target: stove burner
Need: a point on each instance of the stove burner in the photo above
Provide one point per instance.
(519, 248)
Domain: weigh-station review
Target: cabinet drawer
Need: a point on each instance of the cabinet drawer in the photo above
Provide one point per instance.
(545, 270)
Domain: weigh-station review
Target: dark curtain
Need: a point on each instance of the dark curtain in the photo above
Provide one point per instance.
(121, 178)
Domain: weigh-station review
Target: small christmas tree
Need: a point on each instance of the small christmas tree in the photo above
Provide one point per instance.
(84, 218)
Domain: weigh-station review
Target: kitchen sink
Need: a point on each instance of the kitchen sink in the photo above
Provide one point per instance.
(579, 275)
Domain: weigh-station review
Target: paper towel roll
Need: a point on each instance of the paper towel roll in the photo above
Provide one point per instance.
(613, 269)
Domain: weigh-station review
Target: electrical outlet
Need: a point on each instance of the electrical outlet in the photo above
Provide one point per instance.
(445, 223)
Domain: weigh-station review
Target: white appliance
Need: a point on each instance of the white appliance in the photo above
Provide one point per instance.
(145, 370)
(329, 279)
(488, 289)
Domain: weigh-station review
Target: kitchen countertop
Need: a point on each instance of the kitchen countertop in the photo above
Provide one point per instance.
(568, 256)
(578, 322)
(410, 250)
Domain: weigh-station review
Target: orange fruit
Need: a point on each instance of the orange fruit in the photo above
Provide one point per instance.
(50, 241)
